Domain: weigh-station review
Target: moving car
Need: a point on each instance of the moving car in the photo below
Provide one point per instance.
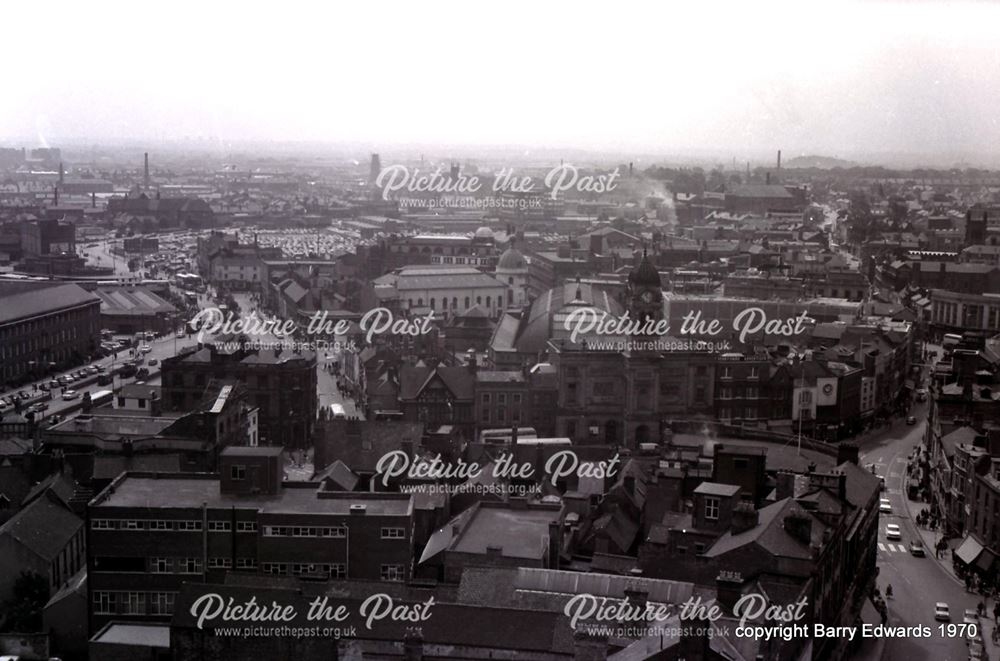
(885, 506)
(917, 548)
(976, 650)
(922, 395)
(892, 532)
(911, 420)
(38, 407)
(145, 348)
(941, 612)
(153, 362)
(70, 394)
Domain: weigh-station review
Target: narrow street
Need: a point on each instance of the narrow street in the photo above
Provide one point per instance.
(917, 582)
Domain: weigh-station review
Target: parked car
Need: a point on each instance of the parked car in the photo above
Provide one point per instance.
(70, 394)
(884, 506)
(941, 612)
(64, 380)
(153, 362)
(53, 384)
(892, 532)
(38, 407)
(44, 387)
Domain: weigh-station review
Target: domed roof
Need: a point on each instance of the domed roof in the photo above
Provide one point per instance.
(512, 260)
(484, 233)
(645, 274)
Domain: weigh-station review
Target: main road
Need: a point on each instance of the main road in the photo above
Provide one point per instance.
(917, 582)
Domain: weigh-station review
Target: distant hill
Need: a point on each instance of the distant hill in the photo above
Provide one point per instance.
(821, 162)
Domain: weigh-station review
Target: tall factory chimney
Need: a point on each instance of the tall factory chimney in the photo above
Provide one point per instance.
(145, 175)
(376, 168)
(779, 161)
(61, 173)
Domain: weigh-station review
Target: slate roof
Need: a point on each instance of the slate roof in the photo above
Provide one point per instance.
(360, 445)
(44, 527)
(760, 190)
(769, 534)
(460, 381)
(22, 300)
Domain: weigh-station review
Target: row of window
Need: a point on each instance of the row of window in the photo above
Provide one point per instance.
(305, 531)
(329, 570)
(750, 392)
(113, 602)
(419, 302)
(749, 413)
(175, 566)
(161, 525)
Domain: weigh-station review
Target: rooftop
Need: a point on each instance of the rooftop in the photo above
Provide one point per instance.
(176, 492)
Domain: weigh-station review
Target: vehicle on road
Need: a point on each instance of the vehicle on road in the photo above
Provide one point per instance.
(970, 618)
(922, 395)
(911, 420)
(179, 334)
(337, 411)
(917, 548)
(44, 387)
(976, 651)
(145, 348)
(64, 380)
(53, 384)
(104, 379)
(70, 394)
(38, 407)
(941, 612)
(892, 532)
(153, 362)
(884, 506)
(101, 397)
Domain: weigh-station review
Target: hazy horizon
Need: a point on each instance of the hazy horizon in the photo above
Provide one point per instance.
(877, 83)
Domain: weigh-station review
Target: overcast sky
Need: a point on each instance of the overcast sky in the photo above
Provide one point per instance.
(834, 79)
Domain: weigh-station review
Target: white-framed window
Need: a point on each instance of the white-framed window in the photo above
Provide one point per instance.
(246, 563)
(277, 568)
(133, 603)
(189, 566)
(161, 603)
(334, 531)
(159, 566)
(159, 524)
(392, 573)
(219, 526)
(711, 508)
(131, 524)
(237, 472)
(393, 533)
(754, 374)
(338, 570)
(189, 526)
(220, 563)
(805, 397)
(105, 603)
(727, 372)
(102, 524)
(246, 526)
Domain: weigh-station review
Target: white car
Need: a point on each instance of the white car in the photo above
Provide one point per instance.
(892, 532)
(941, 612)
(145, 348)
(70, 394)
(884, 506)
